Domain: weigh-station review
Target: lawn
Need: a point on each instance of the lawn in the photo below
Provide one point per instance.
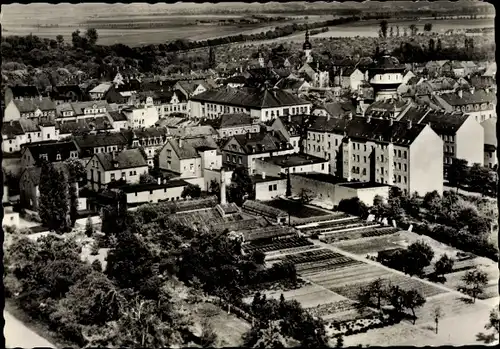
(228, 327)
(369, 245)
(296, 209)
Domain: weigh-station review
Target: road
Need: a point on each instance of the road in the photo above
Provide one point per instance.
(18, 335)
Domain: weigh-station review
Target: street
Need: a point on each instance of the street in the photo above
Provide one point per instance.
(18, 335)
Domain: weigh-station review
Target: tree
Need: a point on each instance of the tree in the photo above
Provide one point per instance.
(340, 341)
(432, 46)
(54, 200)
(192, 191)
(417, 256)
(457, 172)
(208, 336)
(353, 206)
(405, 32)
(97, 266)
(395, 297)
(391, 32)
(439, 46)
(241, 186)
(76, 39)
(427, 27)
(60, 40)
(494, 320)
(413, 29)
(437, 313)
(397, 31)
(432, 202)
(383, 28)
(89, 227)
(444, 265)
(146, 178)
(412, 300)
(306, 196)
(91, 36)
(475, 280)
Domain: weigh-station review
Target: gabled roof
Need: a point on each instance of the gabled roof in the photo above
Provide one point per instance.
(188, 148)
(250, 97)
(79, 107)
(25, 91)
(83, 125)
(294, 124)
(100, 140)
(237, 79)
(128, 158)
(101, 88)
(440, 121)
(158, 85)
(235, 119)
(34, 172)
(30, 105)
(171, 121)
(145, 133)
(139, 187)
(11, 129)
(292, 160)
(117, 116)
(193, 131)
(374, 130)
(29, 125)
(51, 149)
(262, 142)
(341, 108)
(290, 84)
(478, 97)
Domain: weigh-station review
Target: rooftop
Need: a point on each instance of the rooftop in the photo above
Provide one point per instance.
(262, 179)
(250, 97)
(363, 185)
(128, 158)
(292, 160)
(174, 183)
(321, 177)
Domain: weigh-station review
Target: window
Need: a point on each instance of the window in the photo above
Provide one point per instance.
(112, 176)
(364, 159)
(399, 153)
(399, 179)
(58, 157)
(191, 167)
(322, 166)
(336, 142)
(239, 160)
(275, 187)
(270, 188)
(399, 166)
(404, 154)
(405, 167)
(131, 173)
(382, 158)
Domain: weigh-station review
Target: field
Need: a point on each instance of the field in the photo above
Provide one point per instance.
(296, 209)
(370, 246)
(371, 27)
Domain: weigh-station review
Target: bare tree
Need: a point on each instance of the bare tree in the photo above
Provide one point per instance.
(437, 312)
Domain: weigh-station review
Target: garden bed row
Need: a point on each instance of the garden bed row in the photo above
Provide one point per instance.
(332, 308)
(312, 256)
(331, 265)
(319, 219)
(278, 244)
(355, 234)
(280, 254)
(333, 224)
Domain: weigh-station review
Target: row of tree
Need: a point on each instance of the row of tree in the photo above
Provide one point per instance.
(385, 30)
(476, 177)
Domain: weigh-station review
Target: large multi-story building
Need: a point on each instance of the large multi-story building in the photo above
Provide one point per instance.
(384, 151)
(462, 135)
(262, 104)
(243, 150)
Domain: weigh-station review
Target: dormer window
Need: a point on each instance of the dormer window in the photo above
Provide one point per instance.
(58, 157)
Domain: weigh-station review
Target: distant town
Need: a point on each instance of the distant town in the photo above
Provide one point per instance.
(317, 192)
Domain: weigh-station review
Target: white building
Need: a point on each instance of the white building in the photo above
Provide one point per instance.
(264, 105)
(142, 115)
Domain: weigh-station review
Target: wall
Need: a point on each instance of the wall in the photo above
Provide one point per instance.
(155, 195)
(11, 112)
(10, 218)
(263, 193)
(322, 191)
(426, 163)
(365, 195)
(490, 159)
(470, 142)
(229, 131)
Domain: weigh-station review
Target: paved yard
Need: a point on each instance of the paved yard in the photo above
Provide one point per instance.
(18, 335)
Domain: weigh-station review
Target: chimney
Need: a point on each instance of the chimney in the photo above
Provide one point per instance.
(263, 175)
(349, 116)
(159, 180)
(460, 93)
(222, 186)
(368, 119)
(180, 142)
(327, 116)
(472, 90)
(391, 121)
(289, 118)
(409, 124)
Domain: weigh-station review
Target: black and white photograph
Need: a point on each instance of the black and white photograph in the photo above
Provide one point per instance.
(255, 175)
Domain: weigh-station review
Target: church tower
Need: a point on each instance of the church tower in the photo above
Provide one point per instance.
(307, 48)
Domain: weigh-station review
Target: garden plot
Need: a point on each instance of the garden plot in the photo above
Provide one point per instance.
(308, 296)
(283, 244)
(352, 286)
(357, 273)
(369, 245)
